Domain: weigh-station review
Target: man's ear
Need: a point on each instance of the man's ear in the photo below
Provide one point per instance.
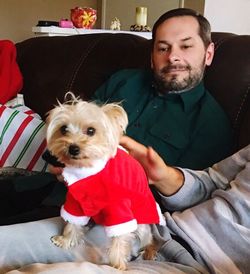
(209, 54)
(117, 116)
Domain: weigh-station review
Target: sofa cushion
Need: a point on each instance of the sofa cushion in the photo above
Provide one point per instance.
(51, 66)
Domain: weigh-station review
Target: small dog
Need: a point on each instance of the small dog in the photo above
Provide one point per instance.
(104, 182)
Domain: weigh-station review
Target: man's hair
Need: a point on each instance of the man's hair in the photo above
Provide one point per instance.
(204, 25)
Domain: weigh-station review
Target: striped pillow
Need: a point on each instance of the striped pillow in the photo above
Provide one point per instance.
(22, 138)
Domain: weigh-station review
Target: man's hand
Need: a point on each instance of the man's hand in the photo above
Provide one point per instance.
(166, 179)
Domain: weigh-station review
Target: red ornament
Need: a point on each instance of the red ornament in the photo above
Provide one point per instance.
(83, 17)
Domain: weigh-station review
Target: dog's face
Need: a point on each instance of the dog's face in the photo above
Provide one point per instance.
(80, 132)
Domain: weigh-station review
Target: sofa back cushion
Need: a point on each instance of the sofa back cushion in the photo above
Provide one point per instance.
(51, 66)
(228, 80)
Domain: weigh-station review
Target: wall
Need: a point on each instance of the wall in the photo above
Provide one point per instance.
(193, 4)
(125, 11)
(17, 17)
(228, 15)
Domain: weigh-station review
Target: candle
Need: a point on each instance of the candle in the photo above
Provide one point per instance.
(141, 16)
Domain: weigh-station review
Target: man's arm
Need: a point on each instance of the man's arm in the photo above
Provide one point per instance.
(180, 188)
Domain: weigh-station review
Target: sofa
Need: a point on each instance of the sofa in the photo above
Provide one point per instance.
(51, 66)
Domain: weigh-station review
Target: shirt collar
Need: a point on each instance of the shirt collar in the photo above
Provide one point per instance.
(189, 98)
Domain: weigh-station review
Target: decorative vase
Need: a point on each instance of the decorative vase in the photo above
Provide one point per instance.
(83, 17)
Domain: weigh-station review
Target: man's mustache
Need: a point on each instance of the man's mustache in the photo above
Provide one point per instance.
(169, 68)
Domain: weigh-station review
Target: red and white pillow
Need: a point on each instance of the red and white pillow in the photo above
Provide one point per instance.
(22, 138)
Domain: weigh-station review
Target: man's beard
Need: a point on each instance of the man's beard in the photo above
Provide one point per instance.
(177, 86)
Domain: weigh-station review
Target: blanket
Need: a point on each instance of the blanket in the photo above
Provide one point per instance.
(145, 267)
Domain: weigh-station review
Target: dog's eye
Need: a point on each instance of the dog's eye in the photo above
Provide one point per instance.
(90, 131)
(63, 129)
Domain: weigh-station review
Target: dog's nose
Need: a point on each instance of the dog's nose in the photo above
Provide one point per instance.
(74, 150)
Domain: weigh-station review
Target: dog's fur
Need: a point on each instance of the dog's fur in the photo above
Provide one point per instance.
(95, 131)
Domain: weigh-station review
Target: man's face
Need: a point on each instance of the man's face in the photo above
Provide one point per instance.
(179, 56)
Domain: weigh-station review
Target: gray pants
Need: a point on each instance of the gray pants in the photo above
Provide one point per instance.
(28, 243)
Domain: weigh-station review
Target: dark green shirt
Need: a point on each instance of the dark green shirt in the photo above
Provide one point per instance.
(188, 129)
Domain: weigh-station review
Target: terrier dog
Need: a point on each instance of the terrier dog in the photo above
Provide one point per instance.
(104, 182)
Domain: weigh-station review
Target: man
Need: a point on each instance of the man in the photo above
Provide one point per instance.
(168, 107)
(181, 106)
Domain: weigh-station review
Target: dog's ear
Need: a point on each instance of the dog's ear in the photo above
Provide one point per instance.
(117, 116)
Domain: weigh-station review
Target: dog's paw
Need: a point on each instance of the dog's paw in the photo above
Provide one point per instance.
(63, 242)
(117, 259)
(119, 263)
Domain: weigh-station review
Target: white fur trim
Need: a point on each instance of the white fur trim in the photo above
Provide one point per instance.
(120, 229)
(74, 174)
(162, 220)
(77, 220)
